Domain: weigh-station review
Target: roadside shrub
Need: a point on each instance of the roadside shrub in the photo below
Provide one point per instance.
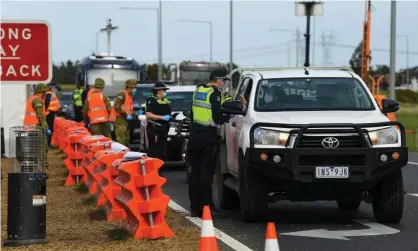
(407, 96)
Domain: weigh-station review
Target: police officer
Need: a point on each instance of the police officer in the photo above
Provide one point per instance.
(78, 103)
(122, 111)
(96, 110)
(35, 116)
(206, 115)
(158, 113)
(52, 106)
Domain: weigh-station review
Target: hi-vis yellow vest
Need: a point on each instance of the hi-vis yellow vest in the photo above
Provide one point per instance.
(202, 108)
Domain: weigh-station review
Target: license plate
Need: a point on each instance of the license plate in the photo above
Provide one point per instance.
(332, 172)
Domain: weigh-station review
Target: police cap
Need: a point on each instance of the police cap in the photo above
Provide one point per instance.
(218, 74)
(159, 86)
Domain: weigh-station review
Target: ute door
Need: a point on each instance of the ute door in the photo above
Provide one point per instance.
(232, 132)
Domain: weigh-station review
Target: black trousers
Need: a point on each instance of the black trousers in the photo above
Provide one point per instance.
(50, 121)
(78, 113)
(202, 158)
(157, 142)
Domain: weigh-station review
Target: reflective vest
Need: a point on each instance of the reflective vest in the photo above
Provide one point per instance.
(97, 108)
(202, 108)
(30, 115)
(225, 97)
(77, 97)
(54, 103)
(127, 107)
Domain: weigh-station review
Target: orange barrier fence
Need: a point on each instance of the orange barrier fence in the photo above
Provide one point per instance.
(128, 189)
(108, 190)
(142, 199)
(87, 143)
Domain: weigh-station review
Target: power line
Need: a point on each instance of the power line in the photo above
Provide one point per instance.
(327, 41)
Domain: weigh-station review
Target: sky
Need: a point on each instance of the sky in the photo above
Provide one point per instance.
(75, 25)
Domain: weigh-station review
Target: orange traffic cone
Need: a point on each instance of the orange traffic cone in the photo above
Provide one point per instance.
(207, 235)
(272, 243)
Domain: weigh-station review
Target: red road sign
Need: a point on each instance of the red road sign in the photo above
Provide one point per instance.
(25, 51)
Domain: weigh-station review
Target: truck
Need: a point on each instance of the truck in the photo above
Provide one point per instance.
(310, 134)
(115, 70)
(192, 72)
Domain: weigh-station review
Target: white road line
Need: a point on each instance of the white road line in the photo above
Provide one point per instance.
(228, 240)
(414, 194)
(413, 163)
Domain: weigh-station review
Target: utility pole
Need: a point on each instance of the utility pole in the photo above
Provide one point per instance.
(327, 41)
(109, 29)
(313, 42)
(298, 44)
(392, 50)
(160, 41)
(231, 35)
(288, 54)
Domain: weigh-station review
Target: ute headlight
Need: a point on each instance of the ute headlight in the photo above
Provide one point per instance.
(270, 137)
(387, 136)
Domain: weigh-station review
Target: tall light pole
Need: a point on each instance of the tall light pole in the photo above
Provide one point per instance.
(407, 57)
(308, 9)
(210, 32)
(392, 49)
(109, 29)
(231, 34)
(159, 34)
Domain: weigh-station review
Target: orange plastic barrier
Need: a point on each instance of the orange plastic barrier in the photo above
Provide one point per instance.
(86, 143)
(142, 199)
(107, 171)
(59, 134)
(74, 156)
(90, 157)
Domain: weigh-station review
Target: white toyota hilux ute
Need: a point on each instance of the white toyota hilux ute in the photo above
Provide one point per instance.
(310, 134)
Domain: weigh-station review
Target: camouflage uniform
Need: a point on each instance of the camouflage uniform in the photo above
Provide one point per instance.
(99, 128)
(122, 131)
(38, 106)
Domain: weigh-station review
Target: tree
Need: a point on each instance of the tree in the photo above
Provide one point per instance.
(355, 61)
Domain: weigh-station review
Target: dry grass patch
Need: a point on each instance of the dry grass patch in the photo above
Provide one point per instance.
(75, 223)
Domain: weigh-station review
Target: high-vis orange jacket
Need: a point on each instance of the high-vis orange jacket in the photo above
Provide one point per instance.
(127, 107)
(54, 103)
(97, 108)
(30, 115)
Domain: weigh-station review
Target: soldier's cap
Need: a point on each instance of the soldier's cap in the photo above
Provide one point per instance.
(41, 87)
(131, 83)
(99, 83)
(159, 86)
(220, 74)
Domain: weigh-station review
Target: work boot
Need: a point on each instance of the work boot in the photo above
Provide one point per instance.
(217, 213)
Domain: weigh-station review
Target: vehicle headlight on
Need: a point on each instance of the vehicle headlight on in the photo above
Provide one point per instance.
(387, 136)
(270, 137)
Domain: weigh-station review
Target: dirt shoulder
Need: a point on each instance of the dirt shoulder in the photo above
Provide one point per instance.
(75, 223)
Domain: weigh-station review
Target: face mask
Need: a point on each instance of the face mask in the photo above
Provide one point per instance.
(164, 94)
(133, 92)
(268, 98)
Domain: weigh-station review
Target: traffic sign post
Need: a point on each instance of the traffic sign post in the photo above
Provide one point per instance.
(25, 52)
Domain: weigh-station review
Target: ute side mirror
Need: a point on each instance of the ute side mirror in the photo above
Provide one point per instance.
(389, 105)
(233, 107)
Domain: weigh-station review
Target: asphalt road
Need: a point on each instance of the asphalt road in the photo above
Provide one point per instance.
(340, 229)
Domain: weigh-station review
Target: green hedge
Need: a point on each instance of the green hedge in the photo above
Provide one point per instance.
(407, 96)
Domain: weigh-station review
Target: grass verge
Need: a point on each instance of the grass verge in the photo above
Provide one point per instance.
(75, 223)
(408, 116)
